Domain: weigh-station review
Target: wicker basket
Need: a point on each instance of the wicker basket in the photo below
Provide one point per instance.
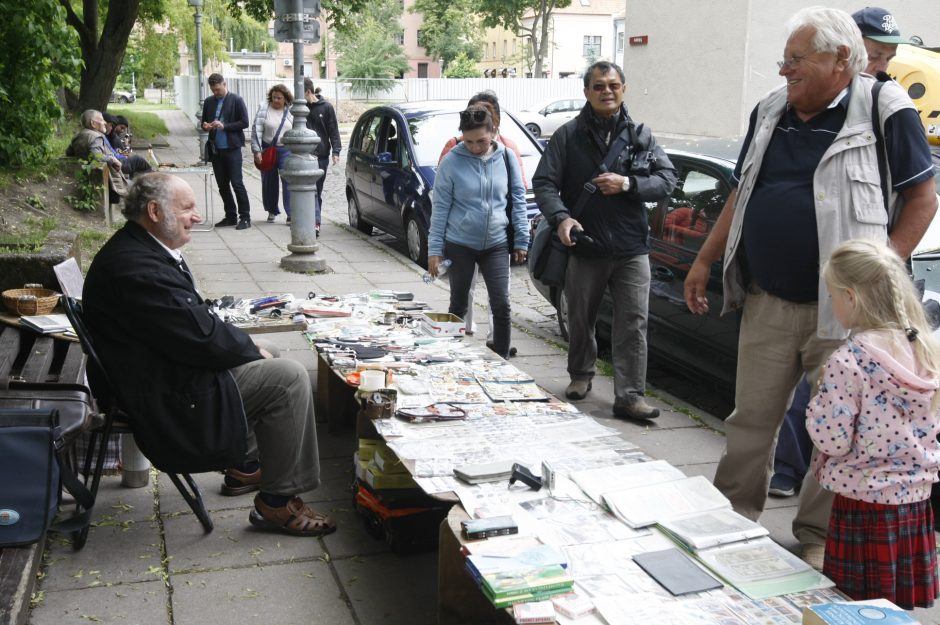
(30, 301)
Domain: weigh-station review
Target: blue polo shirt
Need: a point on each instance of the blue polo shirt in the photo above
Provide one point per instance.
(779, 231)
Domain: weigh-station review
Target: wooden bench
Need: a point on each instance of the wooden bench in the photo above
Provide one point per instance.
(30, 357)
(100, 177)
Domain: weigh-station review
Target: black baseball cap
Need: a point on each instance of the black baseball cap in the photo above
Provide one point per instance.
(878, 24)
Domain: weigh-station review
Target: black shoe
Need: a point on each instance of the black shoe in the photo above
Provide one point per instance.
(228, 221)
(242, 224)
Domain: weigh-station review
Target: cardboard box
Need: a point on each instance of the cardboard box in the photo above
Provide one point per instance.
(379, 480)
(442, 324)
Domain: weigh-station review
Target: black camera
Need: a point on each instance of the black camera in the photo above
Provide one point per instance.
(580, 236)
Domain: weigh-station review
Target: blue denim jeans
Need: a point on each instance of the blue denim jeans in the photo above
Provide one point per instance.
(494, 267)
(271, 180)
(324, 164)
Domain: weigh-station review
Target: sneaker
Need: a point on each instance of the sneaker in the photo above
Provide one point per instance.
(814, 555)
(578, 389)
(782, 485)
(491, 345)
(288, 220)
(243, 224)
(228, 221)
(271, 217)
(637, 410)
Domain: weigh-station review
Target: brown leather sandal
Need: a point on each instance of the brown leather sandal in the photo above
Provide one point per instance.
(249, 482)
(295, 518)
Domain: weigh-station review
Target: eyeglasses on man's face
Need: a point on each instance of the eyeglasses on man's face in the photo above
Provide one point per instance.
(790, 63)
(478, 116)
(601, 87)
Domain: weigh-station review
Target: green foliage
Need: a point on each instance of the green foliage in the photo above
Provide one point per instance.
(449, 30)
(36, 59)
(88, 193)
(370, 54)
(342, 15)
(462, 67)
(35, 236)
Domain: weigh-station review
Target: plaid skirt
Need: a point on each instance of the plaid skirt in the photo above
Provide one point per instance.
(878, 550)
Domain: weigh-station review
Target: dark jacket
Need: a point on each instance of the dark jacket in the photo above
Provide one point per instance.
(322, 120)
(167, 355)
(234, 118)
(617, 223)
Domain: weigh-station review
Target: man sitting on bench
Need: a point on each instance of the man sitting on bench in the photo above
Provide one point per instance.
(92, 139)
(199, 393)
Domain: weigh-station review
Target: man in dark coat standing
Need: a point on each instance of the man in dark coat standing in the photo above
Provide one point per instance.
(199, 394)
(225, 116)
(322, 120)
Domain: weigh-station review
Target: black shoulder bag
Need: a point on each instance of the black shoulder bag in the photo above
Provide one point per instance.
(548, 254)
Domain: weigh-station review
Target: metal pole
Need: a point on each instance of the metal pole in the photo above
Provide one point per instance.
(302, 170)
(203, 135)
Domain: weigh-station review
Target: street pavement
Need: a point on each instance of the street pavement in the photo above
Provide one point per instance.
(147, 560)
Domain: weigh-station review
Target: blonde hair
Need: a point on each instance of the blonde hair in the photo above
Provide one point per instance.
(884, 294)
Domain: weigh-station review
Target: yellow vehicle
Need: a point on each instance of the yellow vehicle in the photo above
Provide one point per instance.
(918, 71)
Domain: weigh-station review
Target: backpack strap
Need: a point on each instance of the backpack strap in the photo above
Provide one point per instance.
(880, 148)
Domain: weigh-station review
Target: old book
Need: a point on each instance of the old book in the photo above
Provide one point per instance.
(872, 611)
(47, 324)
(534, 612)
(710, 528)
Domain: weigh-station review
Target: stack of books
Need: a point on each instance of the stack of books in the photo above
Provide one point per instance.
(523, 571)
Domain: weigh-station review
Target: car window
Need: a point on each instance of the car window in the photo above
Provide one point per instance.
(693, 208)
(389, 140)
(557, 107)
(371, 135)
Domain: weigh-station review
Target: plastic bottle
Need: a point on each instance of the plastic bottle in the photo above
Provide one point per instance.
(441, 270)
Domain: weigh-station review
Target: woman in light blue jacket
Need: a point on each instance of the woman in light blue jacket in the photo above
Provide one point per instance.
(271, 122)
(475, 184)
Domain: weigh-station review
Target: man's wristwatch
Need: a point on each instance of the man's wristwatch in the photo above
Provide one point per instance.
(626, 184)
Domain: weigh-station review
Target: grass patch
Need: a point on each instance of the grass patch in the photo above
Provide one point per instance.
(141, 105)
(35, 236)
(144, 125)
(90, 241)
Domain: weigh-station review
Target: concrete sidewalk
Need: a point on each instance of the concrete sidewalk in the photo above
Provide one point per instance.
(147, 560)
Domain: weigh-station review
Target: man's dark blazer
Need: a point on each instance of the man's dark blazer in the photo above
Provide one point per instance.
(234, 117)
(167, 355)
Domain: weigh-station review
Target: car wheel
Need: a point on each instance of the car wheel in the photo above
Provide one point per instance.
(416, 240)
(355, 218)
(561, 311)
(534, 129)
(123, 99)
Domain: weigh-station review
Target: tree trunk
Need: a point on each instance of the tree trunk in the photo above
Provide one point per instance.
(102, 56)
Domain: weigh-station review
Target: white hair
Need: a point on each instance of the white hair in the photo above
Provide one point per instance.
(834, 29)
(88, 116)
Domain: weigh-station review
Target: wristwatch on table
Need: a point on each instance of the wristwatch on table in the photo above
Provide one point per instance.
(626, 184)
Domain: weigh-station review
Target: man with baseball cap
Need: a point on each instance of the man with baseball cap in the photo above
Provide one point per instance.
(881, 35)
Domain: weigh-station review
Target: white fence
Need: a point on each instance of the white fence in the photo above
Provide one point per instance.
(514, 93)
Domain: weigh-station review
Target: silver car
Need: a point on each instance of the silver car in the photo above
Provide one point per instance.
(547, 116)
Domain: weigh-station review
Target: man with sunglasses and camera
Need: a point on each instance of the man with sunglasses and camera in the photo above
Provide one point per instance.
(591, 185)
(808, 178)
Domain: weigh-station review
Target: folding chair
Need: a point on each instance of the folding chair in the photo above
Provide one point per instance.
(116, 419)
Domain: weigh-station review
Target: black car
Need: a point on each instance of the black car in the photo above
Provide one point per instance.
(705, 346)
(392, 160)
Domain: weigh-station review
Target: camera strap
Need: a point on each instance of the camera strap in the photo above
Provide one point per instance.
(616, 148)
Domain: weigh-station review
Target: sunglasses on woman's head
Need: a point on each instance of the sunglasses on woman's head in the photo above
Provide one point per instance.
(477, 116)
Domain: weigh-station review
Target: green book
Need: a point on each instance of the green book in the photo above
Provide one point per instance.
(523, 597)
(530, 579)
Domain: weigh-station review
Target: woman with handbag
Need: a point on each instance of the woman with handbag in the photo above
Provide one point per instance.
(474, 183)
(271, 122)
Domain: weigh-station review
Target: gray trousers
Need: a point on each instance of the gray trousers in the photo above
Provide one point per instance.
(282, 433)
(629, 280)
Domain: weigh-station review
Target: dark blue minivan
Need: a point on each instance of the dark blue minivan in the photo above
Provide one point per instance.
(392, 160)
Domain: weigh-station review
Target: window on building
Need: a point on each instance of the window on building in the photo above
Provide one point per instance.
(505, 48)
(248, 69)
(620, 41)
(514, 47)
(400, 38)
(585, 3)
(420, 38)
(494, 50)
(592, 45)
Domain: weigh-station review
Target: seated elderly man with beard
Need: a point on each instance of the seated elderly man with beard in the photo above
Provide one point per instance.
(199, 394)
